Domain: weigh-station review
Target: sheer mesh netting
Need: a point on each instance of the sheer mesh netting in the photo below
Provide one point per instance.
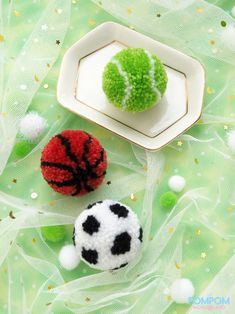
(31, 280)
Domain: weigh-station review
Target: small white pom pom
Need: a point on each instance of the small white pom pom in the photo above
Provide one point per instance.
(68, 257)
(182, 290)
(231, 141)
(233, 11)
(32, 126)
(228, 37)
(176, 183)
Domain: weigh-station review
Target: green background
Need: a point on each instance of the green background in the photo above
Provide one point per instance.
(195, 240)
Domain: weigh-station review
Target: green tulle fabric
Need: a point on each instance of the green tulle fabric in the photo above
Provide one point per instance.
(195, 239)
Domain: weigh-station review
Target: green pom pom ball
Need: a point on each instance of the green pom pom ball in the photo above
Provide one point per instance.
(134, 80)
(22, 149)
(168, 200)
(53, 233)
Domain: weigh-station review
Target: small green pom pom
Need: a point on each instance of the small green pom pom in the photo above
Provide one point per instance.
(53, 233)
(134, 80)
(21, 149)
(168, 200)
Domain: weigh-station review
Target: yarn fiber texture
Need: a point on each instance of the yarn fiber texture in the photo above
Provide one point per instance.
(107, 235)
(73, 163)
(134, 80)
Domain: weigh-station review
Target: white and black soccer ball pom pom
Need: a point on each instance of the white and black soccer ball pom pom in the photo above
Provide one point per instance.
(107, 235)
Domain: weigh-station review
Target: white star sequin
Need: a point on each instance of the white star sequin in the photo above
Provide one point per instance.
(59, 11)
(44, 27)
(34, 195)
(23, 87)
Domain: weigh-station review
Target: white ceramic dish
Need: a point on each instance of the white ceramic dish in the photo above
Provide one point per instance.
(80, 87)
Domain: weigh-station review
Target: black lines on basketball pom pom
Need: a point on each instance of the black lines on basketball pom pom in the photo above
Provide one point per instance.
(81, 175)
(82, 172)
(58, 166)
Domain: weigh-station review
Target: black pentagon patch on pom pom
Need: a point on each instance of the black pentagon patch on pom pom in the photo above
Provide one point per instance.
(122, 265)
(140, 235)
(91, 225)
(122, 244)
(73, 237)
(91, 256)
(93, 204)
(119, 210)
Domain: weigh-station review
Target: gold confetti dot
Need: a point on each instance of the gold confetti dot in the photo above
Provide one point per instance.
(210, 90)
(51, 203)
(36, 78)
(168, 298)
(179, 143)
(229, 209)
(231, 97)
(225, 127)
(48, 65)
(200, 121)
(198, 232)
(45, 86)
(150, 238)
(11, 215)
(177, 265)
(87, 299)
(196, 161)
(49, 287)
(203, 255)
(170, 229)
(223, 23)
(58, 11)
(129, 11)
(200, 10)
(212, 42)
(91, 22)
(145, 168)
(132, 197)
(17, 13)
(3, 114)
(34, 240)
(2, 38)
